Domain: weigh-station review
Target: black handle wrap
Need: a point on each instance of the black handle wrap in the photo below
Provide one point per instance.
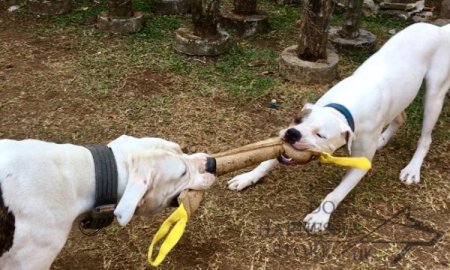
(211, 165)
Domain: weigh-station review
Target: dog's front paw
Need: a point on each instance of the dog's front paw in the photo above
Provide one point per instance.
(410, 175)
(241, 181)
(317, 221)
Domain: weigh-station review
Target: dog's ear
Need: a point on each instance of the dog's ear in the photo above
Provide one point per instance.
(304, 101)
(349, 136)
(307, 108)
(137, 186)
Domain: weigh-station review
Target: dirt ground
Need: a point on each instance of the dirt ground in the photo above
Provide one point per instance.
(62, 80)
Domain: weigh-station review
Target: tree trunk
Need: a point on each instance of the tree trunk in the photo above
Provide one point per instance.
(312, 44)
(120, 8)
(445, 10)
(353, 13)
(205, 17)
(244, 6)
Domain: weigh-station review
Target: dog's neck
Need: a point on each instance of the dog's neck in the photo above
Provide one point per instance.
(122, 172)
(86, 185)
(340, 117)
(344, 112)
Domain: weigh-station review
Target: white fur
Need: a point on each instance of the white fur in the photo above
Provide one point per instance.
(47, 186)
(376, 94)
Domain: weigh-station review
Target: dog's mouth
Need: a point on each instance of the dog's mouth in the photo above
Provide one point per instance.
(286, 160)
(301, 146)
(174, 201)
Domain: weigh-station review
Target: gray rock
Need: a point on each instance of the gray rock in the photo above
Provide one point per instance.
(392, 32)
(13, 8)
(441, 22)
(188, 43)
(295, 69)
(364, 41)
(370, 8)
(403, 9)
(120, 25)
(424, 16)
(245, 25)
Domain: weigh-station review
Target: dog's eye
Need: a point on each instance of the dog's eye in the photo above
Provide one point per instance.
(184, 173)
(320, 136)
(297, 120)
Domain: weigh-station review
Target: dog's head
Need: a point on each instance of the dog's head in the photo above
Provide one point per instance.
(157, 172)
(320, 128)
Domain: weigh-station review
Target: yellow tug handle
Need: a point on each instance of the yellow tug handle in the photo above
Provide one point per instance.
(179, 218)
(354, 162)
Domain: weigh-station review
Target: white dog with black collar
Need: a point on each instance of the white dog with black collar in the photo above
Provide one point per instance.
(45, 186)
(376, 96)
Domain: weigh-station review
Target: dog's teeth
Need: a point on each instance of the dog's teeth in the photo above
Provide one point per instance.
(284, 160)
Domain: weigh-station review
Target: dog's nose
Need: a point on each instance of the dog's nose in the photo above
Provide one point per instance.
(292, 135)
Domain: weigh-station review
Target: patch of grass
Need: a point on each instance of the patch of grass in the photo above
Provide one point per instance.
(337, 18)
(283, 17)
(159, 28)
(101, 72)
(311, 96)
(383, 23)
(240, 72)
(142, 5)
(414, 111)
(358, 56)
(179, 64)
(81, 11)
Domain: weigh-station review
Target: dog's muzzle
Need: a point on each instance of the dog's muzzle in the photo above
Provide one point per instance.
(292, 136)
(210, 167)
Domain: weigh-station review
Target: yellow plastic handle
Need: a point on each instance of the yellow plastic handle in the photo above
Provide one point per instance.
(178, 219)
(354, 162)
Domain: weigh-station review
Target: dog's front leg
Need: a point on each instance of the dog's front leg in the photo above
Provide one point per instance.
(244, 180)
(317, 221)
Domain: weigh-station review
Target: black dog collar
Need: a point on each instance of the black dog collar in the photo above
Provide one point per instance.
(211, 165)
(106, 182)
(345, 112)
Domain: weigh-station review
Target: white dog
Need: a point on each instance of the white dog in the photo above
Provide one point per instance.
(45, 186)
(356, 110)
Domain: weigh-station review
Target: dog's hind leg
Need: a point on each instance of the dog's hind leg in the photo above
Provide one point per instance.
(36, 244)
(434, 99)
(391, 129)
(244, 180)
